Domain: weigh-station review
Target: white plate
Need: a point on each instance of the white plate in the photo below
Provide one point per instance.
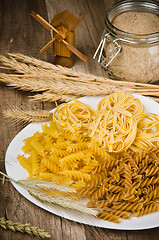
(17, 172)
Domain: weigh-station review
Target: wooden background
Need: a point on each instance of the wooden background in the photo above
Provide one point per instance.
(19, 32)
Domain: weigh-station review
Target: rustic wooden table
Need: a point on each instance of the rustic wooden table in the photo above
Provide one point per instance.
(19, 32)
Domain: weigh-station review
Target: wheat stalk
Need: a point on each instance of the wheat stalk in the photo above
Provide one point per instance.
(40, 63)
(56, 83)
(23, 228)
(45, 185)
(25, 84)
(73, 75)
(57, 86)
(70, 73)
(31, 186)
(19, 115)
(38, 184)
(35, 67)
(52, 97)
(64, 203)
(59, 83)
(19, 67)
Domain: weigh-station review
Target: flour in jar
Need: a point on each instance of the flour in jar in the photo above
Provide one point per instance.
(136, 63)
(137, 22)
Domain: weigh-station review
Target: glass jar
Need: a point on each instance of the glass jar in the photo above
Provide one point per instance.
(125, 55)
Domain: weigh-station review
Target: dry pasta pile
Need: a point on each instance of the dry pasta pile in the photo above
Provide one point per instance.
(128, 186)
(109, 156)
(122, 123)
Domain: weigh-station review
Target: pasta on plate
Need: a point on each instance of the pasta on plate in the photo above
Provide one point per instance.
(109, 156)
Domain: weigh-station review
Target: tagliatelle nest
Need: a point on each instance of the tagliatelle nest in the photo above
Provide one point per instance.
(114, 130)
(74, 115)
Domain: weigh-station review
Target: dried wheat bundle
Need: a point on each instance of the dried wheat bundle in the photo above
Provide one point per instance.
(38, 190)
(54, 83)
(57, 86)
(18, 115)
(23, 228)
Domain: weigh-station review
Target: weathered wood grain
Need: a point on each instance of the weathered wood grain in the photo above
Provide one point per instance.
(19, 32)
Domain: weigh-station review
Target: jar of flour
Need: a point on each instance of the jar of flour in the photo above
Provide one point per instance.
(129, 49)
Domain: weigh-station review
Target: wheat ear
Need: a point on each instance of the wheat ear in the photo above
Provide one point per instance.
(19, 115)
(42, 64)
(40, 76)
(58, 86)
(23, 228)
(43, 196)
(37, 184)
(52, 97)
(64, 203)
(45, 185)
(67, 72)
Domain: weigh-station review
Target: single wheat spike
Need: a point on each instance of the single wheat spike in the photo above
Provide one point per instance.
(19, 115)
(52, 97)
(42, 64)
(45, 185)
(34, 67)
(23, 228)
(64, 203)
(13, 64)
(38, 184)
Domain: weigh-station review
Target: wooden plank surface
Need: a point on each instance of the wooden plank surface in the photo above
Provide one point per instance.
(19, 32)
